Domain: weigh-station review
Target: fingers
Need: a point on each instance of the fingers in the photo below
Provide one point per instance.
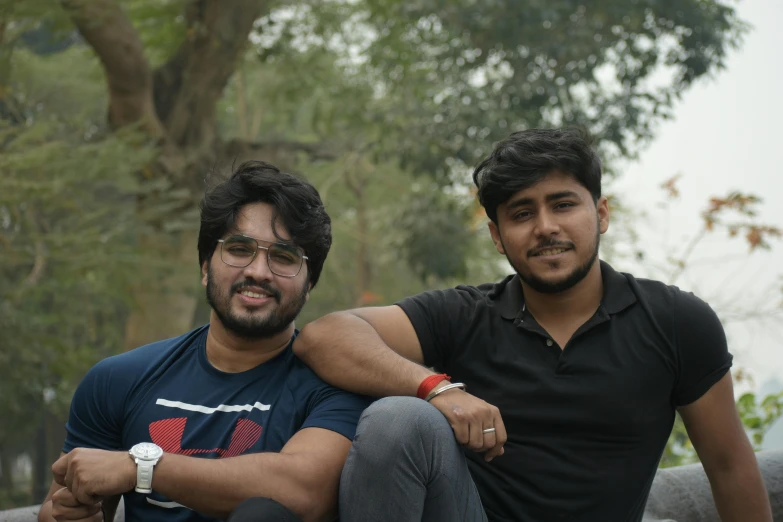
(469, 416)
(500, 437)
(65, 506)
(59, 479)
(68, 479)
(60, 468)
(79, 491)
(490, 439)
(83, 513)
(461, 429)
(476, 442)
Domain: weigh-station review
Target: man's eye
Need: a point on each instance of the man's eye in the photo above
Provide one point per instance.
(240, 250)
(283, 257)
(564, 204)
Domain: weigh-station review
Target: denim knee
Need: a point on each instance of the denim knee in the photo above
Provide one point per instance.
(396, 421)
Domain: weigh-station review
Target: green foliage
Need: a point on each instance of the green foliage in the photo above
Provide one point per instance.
(67, 237)
(757, 417)
(436, 224)
(453, 76)
(160, 25)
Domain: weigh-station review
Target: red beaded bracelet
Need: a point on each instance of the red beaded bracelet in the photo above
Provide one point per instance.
(429, 383)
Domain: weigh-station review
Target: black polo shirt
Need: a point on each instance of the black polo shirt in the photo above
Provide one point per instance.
(587, 424)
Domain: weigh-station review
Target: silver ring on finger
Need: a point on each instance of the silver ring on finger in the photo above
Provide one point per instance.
(489, 430)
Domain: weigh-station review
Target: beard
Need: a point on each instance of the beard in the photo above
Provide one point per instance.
(248, 326)
(554, 287)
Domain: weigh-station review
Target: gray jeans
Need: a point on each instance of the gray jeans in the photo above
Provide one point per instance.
(406, 466)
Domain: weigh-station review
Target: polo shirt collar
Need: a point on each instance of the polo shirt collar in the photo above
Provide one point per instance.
(617, 293)
(509, 296)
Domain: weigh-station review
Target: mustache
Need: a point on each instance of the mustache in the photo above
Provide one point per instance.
(550, 244)
(249, 283)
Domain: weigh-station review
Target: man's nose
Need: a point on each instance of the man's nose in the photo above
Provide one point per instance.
(546, 224)
(258, 269)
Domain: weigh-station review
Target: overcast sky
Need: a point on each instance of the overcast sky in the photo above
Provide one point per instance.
(727, 135)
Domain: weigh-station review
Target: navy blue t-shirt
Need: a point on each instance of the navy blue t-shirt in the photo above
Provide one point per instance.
(168, 393)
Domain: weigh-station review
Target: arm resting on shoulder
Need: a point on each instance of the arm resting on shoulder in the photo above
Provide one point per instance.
(726, 454)
(376, 352)
(372, 351)
(303, 477)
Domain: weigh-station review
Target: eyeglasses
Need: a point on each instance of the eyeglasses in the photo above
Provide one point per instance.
(284, 260)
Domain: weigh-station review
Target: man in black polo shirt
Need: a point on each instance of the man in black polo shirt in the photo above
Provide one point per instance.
(573, 371)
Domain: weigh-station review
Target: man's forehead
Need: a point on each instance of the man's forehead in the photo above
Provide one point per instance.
(260, 221)
(552, 186)
(267, 238)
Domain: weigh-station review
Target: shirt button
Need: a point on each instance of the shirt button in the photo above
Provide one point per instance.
(549, 342)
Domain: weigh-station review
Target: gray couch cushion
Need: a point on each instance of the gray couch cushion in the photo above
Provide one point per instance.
(683, 494)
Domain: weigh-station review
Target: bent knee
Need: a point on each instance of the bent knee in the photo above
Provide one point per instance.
(395, 418)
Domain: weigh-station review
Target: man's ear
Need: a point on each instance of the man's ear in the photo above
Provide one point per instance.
(602, 206)
(204, 272)
(494, 231)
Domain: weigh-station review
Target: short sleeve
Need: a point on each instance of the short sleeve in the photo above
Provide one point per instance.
(703, 353)
(334, 409)
(93, 422)
(435, 316)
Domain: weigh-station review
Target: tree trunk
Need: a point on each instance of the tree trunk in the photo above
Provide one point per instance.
(357, 184)
(6, 468)
(41, 464)
(164, 305)
(175, 105)
(105, 27)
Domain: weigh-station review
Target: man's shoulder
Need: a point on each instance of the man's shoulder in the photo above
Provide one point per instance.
(302, 378)
(652, 288)
(662, 293)
(305, 383)
(150, 356)
(669, 301)
(468, 293)
(463, 304)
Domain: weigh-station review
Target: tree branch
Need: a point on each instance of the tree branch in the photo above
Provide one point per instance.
(111, 35)
(315, 151)
(188, 87)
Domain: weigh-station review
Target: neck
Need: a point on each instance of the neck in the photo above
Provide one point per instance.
(581, 299)
(233, 354)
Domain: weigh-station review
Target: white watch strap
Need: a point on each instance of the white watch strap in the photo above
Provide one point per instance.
(144, 475)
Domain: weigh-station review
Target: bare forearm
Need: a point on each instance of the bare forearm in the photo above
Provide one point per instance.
(346, 351)
(216, 486)
(740, 494)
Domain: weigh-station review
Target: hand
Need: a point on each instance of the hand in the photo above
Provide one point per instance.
(469, 416)
(66, 507)
(91, 474)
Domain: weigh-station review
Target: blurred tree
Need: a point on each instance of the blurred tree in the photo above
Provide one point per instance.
(438, 80)
(736, 214)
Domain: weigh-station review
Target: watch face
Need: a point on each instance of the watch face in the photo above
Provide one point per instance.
(146, 451)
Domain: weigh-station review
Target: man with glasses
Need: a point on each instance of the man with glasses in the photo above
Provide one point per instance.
(223, 421)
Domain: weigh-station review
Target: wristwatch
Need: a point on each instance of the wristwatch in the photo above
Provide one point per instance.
(146, 455)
